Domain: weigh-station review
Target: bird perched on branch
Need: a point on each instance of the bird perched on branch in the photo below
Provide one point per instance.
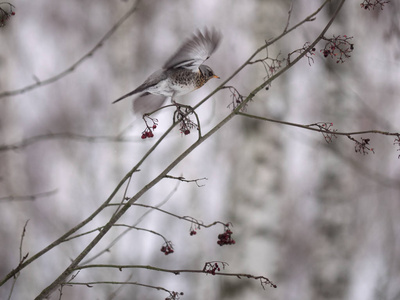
(183, 73)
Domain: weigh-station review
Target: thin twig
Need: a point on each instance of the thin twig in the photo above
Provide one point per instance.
(180, 178)
(185, 218)
(116, 225)
(91, 283)
(32, 197)
(66, 135)
(289, 16)
(21, 259)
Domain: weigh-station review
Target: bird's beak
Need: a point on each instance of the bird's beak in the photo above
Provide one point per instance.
(215, 76)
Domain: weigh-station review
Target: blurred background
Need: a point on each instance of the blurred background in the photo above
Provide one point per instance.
(318, 219)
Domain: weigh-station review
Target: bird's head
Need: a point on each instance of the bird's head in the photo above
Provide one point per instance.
(207, 72)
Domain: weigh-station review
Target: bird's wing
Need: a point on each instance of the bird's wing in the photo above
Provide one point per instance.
(147, 103)
(195, 50)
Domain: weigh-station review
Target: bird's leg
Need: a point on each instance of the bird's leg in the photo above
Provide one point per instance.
(178, 106)
(172, 99)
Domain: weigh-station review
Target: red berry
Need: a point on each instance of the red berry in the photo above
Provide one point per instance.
(186, 132)
(13, 13)
(144, 136)
(154, 126)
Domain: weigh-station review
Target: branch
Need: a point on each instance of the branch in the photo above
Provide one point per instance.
(28, 197)
(206, 270)
(21, 259)
(65, 135)
(185, 218)
(381, 178)
(173, 295)
(183, 179)
(116, 225)
(77, 63)
(310, 127)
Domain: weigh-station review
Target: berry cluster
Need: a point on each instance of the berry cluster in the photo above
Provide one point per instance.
(186, 124)
(362, 147)
(338, 47)
(226, 237)
(6, 11)
(167, 248)
(193, 228)
(212, 267)
(174, 296)
(368, 4)
(148, 132)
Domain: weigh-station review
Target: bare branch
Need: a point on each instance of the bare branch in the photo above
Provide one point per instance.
(66, 135)
(21, 259)
(312, 127)
(62, 74)
(173, 295)
(289, 16)
(207, 269)
(183, 179)
(185, 218)
(115, 225)
(32, 197)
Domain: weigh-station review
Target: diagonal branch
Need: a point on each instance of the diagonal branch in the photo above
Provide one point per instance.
(77, 63)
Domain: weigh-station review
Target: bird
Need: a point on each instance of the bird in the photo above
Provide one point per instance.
(182, 73)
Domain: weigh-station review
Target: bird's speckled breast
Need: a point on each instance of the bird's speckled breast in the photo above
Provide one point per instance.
(178, 82)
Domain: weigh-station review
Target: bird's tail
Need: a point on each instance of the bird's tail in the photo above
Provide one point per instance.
(124, 96)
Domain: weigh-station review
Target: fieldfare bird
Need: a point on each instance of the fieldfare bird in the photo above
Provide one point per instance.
(183, 73)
